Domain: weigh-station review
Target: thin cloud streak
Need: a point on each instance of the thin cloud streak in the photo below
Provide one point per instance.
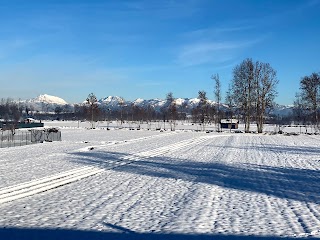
(200, 53)
(217, 31)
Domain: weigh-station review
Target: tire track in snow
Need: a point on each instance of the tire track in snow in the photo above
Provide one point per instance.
(44, 184)
(101, 212)
(129, 190)
(200, 197)
(92, 202)
(122, 142)
(312, 217)
(177, 204)
(130, 202)
(245, 215)
(306, 220)
(292, 157)
(33, 187)
(295, 217)
(195, 198)
(37, 168)
(300, 217)
(163, 150)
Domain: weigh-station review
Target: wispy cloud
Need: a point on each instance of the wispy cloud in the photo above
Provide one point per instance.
(217, 52)
(216, 44)
(220, 31)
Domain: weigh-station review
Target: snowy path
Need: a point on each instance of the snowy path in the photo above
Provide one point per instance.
(41, 185)
(232, 185)
(40, 160)
(12, 193)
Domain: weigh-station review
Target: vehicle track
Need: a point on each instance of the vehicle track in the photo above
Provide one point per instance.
(44, 184)
(169, 148)
(36, 186)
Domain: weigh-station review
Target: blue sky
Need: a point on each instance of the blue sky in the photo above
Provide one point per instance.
(147, 48)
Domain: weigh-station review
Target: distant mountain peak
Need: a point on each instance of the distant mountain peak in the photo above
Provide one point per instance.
(138, 100)
(46, 102)
(111, 99)
(46, 98)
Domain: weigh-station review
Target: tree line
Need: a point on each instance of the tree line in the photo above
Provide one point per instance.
(249, 97)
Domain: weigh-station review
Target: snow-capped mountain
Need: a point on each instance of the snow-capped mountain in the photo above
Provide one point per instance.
(111, 99)
(44, 102)
(154, 103)
(114, 103)
(49, 103)
(45, 98)
(282, 110)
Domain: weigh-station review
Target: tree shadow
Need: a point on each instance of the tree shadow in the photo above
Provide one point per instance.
(70, 234)
(288, 183)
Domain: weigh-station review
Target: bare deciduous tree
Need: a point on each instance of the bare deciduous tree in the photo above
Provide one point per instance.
(265, 78)
(242, 87)
(171, 110)
(93, 107)
(122, 105)
(217, 94)
(229, 101)
(253, 90)
(299, 111)
(203, 107)
(310, 92)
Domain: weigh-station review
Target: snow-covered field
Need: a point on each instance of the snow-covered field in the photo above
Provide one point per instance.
(122, 184)
(179, 125)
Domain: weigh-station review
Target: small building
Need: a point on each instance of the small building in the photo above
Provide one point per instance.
(26, 123)
(30, 123)
(229, 123)
(29, 120)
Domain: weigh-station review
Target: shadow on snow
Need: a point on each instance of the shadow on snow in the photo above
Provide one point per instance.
(69, 234)
(288, 183)
(299, 150)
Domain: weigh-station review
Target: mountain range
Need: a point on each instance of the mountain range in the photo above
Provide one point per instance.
(48, 103)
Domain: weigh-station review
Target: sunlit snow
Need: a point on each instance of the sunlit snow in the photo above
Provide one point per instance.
(163, 184)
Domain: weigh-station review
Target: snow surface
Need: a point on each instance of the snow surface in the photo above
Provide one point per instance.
(162, 185)
(180, 125)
